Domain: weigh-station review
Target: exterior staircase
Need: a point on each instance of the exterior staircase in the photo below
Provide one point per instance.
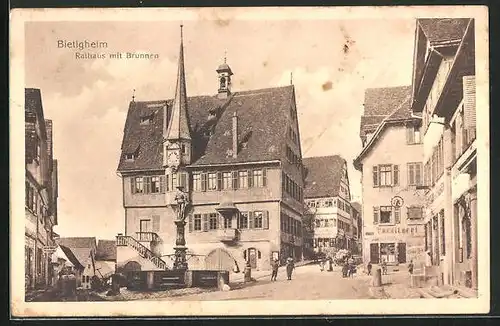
(144, 252)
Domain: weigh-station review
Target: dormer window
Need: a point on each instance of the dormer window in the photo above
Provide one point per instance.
(130, 156)
(146, 120)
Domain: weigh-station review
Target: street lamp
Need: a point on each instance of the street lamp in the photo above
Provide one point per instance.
(181, 202)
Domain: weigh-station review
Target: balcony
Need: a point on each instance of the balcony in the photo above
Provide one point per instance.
(227, 235)
(147, 237)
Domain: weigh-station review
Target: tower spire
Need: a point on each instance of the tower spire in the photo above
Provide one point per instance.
(178, 127)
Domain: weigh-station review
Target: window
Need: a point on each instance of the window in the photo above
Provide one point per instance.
(257, 178)
(385, 214)
(414, 174)
(327, 223)
(146, 120)
(155, 184)
(197, 182)
(228, 222)
(139, 186)
(258, 217)
(328, 203)
(129, 156)
(415, 213)
(243, 220)
(243, 179)
(174, 181)
(385, 175)
(197, 222)
(212, 221)
(184, 149)
(412, 135)
(212, 181)
(227, 180)
(317, 223)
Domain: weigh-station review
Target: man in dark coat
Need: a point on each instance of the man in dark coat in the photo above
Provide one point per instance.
(274, 265)
(289, 267)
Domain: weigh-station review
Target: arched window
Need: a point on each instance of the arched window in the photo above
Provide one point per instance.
(222, 82)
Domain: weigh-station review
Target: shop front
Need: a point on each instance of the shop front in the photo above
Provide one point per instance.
(398, 245)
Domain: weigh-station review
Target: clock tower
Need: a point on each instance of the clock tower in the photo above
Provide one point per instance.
(224, 75)
(176, 131)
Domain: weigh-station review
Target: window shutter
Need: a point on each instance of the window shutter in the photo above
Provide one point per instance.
(147, 185)
(186, 181)
(156, 223)
(469, 89)
(219, 180)
(376, 213)
(395, 175)
(250, 220)
(411, 174)
(264, 177)
(238, 221)
(162, 184)
(203, 182)
(418, 174)
(250, 178)
(205, 222)
(410, 135)
(397, 215)
(132, 185)
(265, 220)
(375, 176)
(183, 180)
(190, 223)
(235, 179)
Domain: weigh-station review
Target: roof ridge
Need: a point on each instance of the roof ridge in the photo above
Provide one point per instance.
(214, 96)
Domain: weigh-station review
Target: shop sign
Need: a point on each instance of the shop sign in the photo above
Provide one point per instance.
(410, 230)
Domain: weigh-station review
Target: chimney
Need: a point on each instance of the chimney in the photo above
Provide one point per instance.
(235, 135)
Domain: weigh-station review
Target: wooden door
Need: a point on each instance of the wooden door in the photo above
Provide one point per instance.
(374, 253)
(402, 252)
(252, 257)
(219, 259)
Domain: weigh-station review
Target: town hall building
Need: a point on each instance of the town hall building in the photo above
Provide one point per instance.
(236, 155)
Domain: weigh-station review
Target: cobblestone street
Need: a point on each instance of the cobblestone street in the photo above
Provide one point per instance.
(308, 283)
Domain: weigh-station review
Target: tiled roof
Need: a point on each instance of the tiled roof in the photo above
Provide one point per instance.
(356, 206)
(443, 29)
(72, 258)
(106, 250)
(400, 100)
(380, 103)
(77, 242)
(262, 118)
(322, 176)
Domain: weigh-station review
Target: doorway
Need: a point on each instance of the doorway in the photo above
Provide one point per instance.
(388, 252)
(219, 259)
(402, 252)
(374, 253)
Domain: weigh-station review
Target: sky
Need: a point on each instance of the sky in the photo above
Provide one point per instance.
(332, 63)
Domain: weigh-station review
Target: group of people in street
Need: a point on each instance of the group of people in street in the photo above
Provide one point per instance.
(290, 266)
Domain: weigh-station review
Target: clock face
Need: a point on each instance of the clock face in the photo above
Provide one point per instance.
(173, 157)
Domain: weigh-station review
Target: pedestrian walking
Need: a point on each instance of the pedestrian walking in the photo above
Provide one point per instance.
(289, 267)
(369, 268)
(384, 267)
(321, 265)
(275, 266)
(410, 267)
